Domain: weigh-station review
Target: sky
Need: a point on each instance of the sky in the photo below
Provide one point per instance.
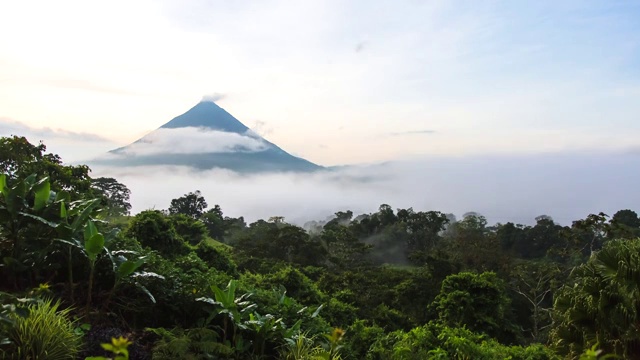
(512, 109)
(332, 81)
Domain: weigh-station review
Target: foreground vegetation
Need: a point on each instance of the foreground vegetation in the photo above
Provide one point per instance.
(80, 278)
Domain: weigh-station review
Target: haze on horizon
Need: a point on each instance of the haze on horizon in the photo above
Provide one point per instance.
(333, 82)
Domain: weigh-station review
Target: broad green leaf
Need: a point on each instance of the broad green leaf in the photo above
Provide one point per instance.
(147, 274)
(12, 197)
(90, 230)
(146, 291)
(125, 269)
(29, 181)
(3, 183)
(42, 191)
(38, 218)
(94, 246)
(84, 215)
(209, 301)
(317, 312)
(71, 243)
(220, 296)
(63, 196)
(63, 210)
(64, 231)
(111, 235)
(249, 308)
(128, 267)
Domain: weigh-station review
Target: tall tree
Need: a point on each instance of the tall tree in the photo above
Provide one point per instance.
(627, 217)
(424, 229)
(477, 301)
(214, 222)
(625, 224)
(510, 234)
(539, 238)
(116, 195)
(19, 159)
(589, 233)
(473, 245)
(344, 249)
(536, 282)
(282, 242)
(192, 204)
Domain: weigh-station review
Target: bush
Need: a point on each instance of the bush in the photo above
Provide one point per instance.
(45, 334)
(359, 339)
(339, 313)
(216, 257)
(185, 279)
(478, 302)
(247, 263)
(297, 285)
(191, 230)
(280, 305)
(153, 229)
(368, 289)
(436, 341)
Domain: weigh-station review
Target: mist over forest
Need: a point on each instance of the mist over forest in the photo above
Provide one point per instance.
(504, 188)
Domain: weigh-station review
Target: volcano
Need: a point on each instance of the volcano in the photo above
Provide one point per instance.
(207, 137)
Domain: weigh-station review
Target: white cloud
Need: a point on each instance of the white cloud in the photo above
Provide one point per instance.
(517, 188)
(12, 127)
(193, 140)
(71, 146)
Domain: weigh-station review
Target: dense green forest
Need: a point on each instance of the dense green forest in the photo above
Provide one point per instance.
(81, 277)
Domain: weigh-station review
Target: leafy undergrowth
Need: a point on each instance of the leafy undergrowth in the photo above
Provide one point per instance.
(78, 272)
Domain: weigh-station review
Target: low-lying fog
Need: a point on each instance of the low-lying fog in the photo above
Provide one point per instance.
(565, 186)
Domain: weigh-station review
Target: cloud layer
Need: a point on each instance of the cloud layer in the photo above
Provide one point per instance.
(566, 186)
(12, 127)
(193, 140)
(71, 146)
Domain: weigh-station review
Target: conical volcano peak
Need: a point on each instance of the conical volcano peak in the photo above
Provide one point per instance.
(207, 137)
(207, 114)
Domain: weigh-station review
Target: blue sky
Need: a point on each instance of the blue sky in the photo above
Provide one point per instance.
(336, 82)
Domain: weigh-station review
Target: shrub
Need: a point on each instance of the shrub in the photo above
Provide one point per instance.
(216, 257)
(184, 279)
(478, 302)
(436, 341)
(359, 339)
(45, 334)
(339, 313)
(297, 285)
(191, 230)
(304, 347)
(153, 229)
